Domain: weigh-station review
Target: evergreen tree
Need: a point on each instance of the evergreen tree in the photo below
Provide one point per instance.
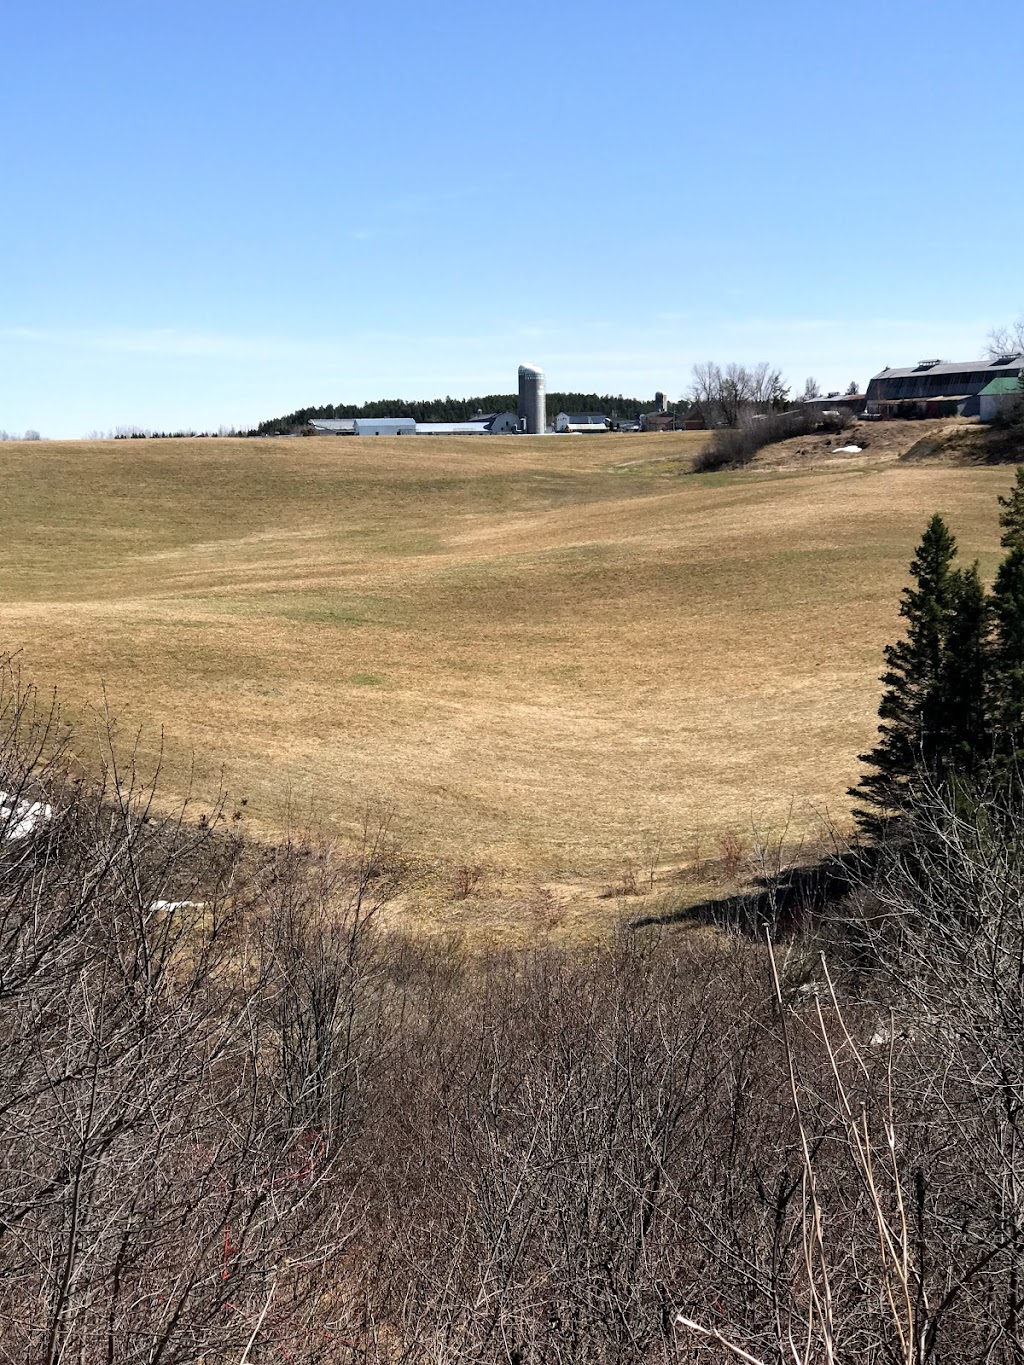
(1011, 518)
(915, 706)
(1007, 664)
(964, 746)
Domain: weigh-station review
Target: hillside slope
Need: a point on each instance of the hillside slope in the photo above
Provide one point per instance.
(548, 654)
(941, 439)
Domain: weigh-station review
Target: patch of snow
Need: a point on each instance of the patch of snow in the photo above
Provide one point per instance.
(848, 450)
(19, 819)
(171, 906)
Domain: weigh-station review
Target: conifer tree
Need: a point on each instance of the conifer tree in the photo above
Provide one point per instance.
(914, 710)
(1007, 664)
(1011, 518)
(964, 744)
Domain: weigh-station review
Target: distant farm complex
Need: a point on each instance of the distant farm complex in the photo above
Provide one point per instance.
(530, 419)
(984, 389)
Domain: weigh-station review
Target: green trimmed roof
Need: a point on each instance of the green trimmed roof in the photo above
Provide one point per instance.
(1006, 383)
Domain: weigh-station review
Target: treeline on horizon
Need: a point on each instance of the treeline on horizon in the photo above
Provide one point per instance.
(456, 409)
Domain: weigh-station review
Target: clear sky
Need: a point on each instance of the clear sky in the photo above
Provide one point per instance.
(216, 212)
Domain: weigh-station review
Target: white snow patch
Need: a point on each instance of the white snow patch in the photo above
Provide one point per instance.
(848, 450)
(171, 906)
(19, 819)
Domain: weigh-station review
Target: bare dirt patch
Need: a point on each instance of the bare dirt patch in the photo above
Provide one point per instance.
(954, 440)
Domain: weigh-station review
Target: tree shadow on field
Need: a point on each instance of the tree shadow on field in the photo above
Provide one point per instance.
(789, 902)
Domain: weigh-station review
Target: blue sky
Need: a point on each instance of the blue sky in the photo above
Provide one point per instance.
(216, 212)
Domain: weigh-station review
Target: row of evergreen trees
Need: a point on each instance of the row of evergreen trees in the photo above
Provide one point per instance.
(953, 707)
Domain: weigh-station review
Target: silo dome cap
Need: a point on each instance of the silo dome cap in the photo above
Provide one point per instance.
(530, 369)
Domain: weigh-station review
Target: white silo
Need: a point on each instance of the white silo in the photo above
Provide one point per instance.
(532, 405)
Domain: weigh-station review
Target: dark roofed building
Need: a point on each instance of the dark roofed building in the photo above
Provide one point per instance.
(937, 388)
(673, 421)
(842, 402)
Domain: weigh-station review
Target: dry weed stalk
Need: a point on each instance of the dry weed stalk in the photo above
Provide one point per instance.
(892, 1233)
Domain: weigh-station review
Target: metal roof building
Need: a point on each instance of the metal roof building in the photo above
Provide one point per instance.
(362, 426)
(385, 426)
(486, 424)
(333, 426)
(581, 421)
(489, 424)
(937, 388)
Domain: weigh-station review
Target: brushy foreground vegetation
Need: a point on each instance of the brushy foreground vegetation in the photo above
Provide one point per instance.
(239, 1122)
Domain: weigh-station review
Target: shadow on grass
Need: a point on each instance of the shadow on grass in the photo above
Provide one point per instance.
(790, 902)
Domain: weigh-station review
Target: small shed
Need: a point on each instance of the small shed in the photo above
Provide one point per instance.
(998, 396)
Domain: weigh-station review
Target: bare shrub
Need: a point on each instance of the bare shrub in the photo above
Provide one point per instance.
(628, 883)
(467, 879)
(734, 446)
(731, 851)
(180, 1020)
(547, 911)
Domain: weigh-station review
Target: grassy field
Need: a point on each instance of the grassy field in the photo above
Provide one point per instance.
(545, 653)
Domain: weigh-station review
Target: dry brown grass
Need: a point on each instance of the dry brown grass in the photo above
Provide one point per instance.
(544, 652)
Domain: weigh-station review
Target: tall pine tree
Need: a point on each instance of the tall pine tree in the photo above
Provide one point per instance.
(964, 745)
(1011, 518)
(914, 710)
(1006, 670)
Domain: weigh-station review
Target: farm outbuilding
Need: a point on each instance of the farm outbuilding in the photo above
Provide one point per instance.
(487, 424)
(841, 402)
(500, 423)
(672, 421)
(333, 426)
(384, 426)
(998, 397)
(937, 388)
(583, 422)
(451, 429)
